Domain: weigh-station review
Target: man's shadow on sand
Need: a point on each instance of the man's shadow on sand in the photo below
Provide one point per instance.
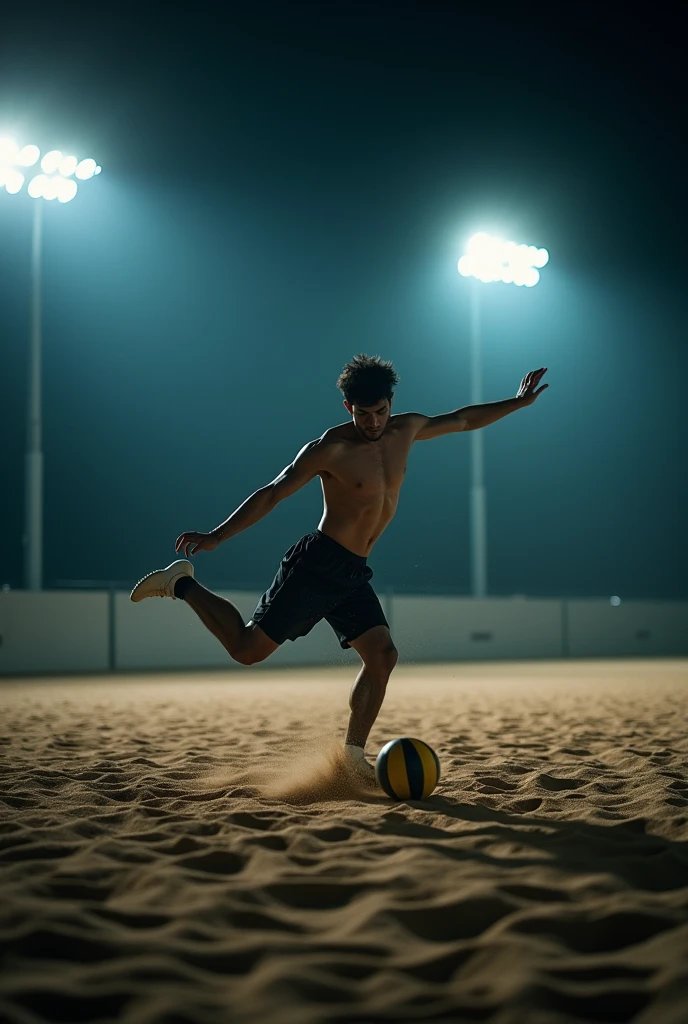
(638, 858)
(640, 861)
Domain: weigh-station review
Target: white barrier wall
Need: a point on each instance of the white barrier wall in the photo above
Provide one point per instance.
(89, 631)
(598, 629)
(54, 631)
(469, 629)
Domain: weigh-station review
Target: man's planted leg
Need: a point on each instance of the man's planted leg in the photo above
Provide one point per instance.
(379, 656)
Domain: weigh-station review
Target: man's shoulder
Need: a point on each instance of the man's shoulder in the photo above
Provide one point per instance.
(320, 447)
(342, 432)
(406, 420)
(336, 435)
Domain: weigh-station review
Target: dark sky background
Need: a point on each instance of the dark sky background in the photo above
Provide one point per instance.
(285, 185)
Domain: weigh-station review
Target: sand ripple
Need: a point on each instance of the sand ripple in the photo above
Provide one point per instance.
(190, 849)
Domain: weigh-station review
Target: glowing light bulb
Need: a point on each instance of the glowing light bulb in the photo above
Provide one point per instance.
(51, 161)
(86, 169)
(68, 165)
(66, 190)
(28, 156)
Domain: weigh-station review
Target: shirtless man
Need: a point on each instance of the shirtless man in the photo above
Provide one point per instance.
(361, 465)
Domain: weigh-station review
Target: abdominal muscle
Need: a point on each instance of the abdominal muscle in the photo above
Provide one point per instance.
(356, 522)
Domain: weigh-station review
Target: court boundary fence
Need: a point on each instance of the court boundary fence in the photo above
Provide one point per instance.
(90, 631)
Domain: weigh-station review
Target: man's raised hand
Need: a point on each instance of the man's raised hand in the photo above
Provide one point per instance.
(529, 383)
(196, 542)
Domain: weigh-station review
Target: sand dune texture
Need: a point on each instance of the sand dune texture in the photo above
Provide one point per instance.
(187, 849)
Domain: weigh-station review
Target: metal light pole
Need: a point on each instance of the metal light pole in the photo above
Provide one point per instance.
(489, 259)
(478, 519)
(33, 500)
(56, 182)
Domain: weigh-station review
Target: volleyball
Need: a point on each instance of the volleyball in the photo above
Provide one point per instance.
(407, 769)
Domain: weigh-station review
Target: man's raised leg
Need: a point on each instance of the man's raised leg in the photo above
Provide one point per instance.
(247, 644)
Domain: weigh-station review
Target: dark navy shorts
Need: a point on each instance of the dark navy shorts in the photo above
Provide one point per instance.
(319, 579)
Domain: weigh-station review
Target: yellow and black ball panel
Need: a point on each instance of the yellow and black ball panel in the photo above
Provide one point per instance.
(407, 769)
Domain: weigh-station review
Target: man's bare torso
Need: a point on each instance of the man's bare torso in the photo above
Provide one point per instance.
(362, 480)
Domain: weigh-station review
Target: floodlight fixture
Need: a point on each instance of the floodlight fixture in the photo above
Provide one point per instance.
(491, 259)
(57, 171)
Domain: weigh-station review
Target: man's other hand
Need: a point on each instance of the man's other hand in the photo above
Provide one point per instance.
(196, 542)
(527, 392)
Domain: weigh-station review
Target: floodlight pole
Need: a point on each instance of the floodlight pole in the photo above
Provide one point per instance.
(478, 523)
(33, 509)
(489, 259)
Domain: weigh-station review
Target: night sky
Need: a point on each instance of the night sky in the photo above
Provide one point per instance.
(288, 184)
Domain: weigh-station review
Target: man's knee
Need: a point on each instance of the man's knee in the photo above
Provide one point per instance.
(382, 663)
(255, 647)
(391, 658)
(250, 655)
(245, 656)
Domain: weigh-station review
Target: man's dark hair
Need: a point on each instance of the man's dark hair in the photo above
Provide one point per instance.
(366, 379)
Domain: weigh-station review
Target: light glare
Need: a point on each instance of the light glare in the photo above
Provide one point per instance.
(8, 150)
(477, 244)
(465, 266)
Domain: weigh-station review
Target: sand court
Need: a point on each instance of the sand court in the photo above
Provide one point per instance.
(187, 848)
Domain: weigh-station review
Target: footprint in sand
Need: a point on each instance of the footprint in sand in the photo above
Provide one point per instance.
(554, 785)
(525, 806)
(216, 862)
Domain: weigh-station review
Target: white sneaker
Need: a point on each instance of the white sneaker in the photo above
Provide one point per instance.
(161, 582)
(362, 770)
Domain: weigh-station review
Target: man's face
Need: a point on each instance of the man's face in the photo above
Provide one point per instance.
(370, 420)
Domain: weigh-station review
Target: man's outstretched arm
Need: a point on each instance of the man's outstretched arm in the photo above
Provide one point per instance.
(293, 477)
(472, 417)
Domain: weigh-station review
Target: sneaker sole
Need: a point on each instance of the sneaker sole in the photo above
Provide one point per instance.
(138, 594)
